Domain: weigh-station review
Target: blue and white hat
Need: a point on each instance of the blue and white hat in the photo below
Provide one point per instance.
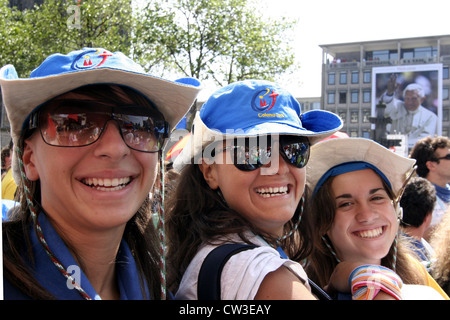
(61, 73)
(334, 157)
(254, 108)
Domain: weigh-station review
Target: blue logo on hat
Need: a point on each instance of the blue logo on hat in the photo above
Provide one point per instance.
(90, 59)
(259, 102)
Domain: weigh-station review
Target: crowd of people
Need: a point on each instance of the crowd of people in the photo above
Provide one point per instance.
(259, 201)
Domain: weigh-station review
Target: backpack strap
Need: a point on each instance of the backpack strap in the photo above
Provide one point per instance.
(208, 286)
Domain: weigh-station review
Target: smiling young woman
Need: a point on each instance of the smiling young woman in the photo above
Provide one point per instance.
(88, 143)
(242, 182)
(354, 215)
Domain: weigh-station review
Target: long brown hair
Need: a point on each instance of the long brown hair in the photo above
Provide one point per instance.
(197, 214)
(321, 261)
(140, 233)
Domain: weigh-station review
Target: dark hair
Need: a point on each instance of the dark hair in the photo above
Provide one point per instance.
(417, 201)
(424, 150)
(140, 233)
(196, 214)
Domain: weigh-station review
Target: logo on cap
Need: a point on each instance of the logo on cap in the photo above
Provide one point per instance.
(90, 59)
(264, 100)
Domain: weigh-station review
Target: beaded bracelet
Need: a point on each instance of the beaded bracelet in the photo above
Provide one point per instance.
(366, 282)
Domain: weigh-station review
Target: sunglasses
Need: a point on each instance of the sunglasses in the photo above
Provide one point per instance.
(446, 157)
(79, 123)
(251, 154)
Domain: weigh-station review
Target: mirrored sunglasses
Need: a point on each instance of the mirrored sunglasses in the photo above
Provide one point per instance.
(250, 154)
(79, 123)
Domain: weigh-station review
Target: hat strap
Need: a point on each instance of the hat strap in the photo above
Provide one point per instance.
(296, 225)
(330, 248)
(394, 254)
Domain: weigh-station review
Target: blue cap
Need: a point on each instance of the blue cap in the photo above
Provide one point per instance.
(254, 108)
(259, 107)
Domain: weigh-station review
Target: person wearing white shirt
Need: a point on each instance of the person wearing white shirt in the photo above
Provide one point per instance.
(409, 116)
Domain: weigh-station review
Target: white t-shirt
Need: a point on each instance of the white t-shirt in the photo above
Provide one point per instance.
(242, 274)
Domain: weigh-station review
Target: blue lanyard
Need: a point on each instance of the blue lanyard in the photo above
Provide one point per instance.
(282, 254)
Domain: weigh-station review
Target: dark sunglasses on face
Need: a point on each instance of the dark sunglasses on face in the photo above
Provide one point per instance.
(79, 123)
(249, 154)
(446, 157)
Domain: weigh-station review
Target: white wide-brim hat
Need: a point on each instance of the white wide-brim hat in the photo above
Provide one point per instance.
(340, 155)
(252, 108)
(61, 73)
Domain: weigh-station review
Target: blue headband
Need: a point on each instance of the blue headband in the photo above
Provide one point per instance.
(348, 167)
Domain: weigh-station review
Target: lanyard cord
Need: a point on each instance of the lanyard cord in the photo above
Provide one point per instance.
(296, 225)
(161, 225)
(40, 234)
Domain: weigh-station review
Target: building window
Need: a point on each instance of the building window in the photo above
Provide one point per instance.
(355, 76)
(366, 115)
(445, 93)
(343, 115)
(315, 105)
(331, 98)
(367, 76)
(331, 78)
(355, 97)
(382, 55)
(424, 52)
(343, 97)
(354, 116)
(444, 114)
(366, 134)
(343, 78)
(445, 73)
(366, 96)
(353, 133)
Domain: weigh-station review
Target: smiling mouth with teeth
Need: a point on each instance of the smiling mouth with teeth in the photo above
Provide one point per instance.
(369, 234)
(106, 184)
(272, 192)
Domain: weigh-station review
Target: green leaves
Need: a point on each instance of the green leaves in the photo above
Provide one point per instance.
(225, 40)
(218, 40)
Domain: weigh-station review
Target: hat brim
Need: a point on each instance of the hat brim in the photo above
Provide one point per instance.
(317, 125)
(22, 96)
(330, 153)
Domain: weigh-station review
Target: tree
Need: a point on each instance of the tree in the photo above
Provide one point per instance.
(218, 40)
(27, 37)
(222, 40)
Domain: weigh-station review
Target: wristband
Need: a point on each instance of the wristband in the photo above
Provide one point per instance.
(366, 282)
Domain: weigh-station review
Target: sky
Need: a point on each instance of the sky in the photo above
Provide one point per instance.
(341, 21)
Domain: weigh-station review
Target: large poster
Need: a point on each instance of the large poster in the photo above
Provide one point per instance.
(412, 95)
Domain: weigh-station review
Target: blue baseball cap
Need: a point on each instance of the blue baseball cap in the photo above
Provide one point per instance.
(254, 108)
(61, 73)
